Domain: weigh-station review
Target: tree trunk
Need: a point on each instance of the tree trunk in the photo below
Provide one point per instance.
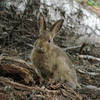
(79, 21)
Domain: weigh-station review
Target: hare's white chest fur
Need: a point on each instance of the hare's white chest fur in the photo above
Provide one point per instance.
(50, 60)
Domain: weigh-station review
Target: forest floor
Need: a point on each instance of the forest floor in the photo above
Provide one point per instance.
(18, 81)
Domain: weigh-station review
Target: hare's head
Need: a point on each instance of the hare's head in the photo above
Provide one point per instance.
(46, 37)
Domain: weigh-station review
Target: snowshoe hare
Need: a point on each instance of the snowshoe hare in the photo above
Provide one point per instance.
(51, 61)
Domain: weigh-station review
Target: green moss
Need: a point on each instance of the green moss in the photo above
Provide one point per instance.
(90, 3)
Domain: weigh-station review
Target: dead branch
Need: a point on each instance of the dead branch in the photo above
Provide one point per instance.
(19, 86)
(89, 57)
(73, 47)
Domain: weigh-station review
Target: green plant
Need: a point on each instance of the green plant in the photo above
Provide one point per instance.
(91, 3)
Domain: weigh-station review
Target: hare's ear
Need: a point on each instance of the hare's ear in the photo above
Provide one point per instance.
(56, 28)
(42, 23)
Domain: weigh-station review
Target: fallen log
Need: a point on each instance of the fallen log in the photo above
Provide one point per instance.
(16, 69)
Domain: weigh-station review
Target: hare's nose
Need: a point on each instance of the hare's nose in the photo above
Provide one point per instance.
(40, 48)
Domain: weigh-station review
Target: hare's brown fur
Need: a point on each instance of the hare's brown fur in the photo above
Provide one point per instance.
(49, 59)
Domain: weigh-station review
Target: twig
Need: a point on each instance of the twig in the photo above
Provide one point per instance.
(73, 92)
(89, 57)
(39, 96)
(73, 47)
(77, 95)
(24, 87)
(89, 73)
(92, 87)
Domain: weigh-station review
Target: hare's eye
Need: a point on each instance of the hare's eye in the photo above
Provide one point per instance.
(49, 41)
